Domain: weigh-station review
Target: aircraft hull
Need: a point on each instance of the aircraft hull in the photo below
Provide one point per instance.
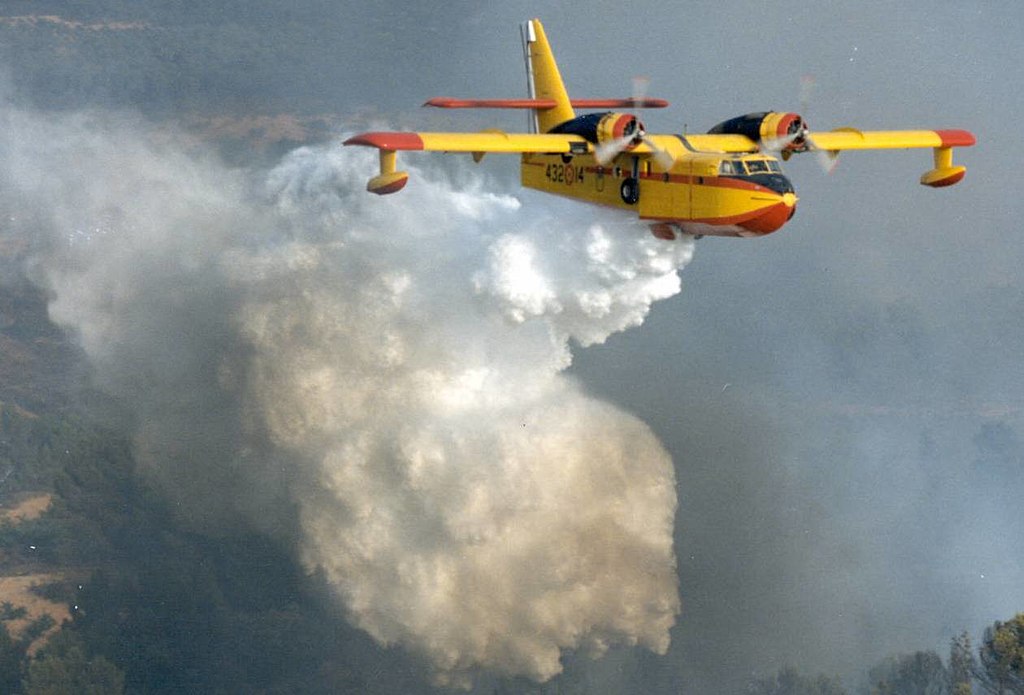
(691, 197)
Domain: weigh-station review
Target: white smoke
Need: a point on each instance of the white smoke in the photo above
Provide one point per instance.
(391, 367)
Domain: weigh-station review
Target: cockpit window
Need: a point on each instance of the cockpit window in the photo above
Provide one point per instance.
(739, 167)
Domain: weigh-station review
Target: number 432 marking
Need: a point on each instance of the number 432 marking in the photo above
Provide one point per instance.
(564, 173)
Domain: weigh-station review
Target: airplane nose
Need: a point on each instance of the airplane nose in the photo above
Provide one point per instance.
(777, 183)
(772, 217)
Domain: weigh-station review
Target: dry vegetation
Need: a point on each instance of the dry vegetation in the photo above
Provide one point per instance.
(17, 589)
(18, 592)
(25, 506)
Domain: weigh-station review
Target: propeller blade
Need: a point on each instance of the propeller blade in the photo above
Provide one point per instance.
(640, 85)
(827, 159)
(776, 145)
(607, 151)
(807, 85)
(663, 157)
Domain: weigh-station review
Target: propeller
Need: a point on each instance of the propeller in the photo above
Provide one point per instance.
(827, 159)
(662, 156)
(777, 146)
(606, 152)
(801, 136)
(641, 84)
(807, 85)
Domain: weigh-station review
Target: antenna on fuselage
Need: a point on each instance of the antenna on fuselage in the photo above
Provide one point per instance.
(528, 36)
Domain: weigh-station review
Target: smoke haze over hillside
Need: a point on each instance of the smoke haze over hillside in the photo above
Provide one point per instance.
(388, 372)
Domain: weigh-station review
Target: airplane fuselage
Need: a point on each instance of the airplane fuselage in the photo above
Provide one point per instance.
(701, 194)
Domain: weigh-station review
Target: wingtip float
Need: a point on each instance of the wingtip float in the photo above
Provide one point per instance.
(727, 182)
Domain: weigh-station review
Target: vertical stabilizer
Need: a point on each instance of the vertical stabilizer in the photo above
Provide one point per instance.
(544, 78)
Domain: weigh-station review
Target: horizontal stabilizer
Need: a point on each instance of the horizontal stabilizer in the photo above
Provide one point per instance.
(452, 103)
(645, 103)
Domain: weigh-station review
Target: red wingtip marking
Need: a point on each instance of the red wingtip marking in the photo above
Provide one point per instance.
(956, 138)
(387, 141)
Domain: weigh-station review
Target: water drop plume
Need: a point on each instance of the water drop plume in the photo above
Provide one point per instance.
(384, 378)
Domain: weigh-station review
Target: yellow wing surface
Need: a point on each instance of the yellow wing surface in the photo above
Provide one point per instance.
(491, 141)
(845, 139)
(389, 180)
(501, 142)
(942, 142)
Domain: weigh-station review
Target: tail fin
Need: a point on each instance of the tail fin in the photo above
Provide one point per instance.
(543, 77)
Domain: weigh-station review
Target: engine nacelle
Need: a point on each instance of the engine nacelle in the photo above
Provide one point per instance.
(603, 128)
(767, 126)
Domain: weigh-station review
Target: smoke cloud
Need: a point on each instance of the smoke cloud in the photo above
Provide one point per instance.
(380, 379)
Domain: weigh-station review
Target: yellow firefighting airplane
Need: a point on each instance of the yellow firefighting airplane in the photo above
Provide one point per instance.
(725, 183)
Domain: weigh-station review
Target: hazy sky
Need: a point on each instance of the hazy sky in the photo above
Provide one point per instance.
(843, 401)
(827, 393)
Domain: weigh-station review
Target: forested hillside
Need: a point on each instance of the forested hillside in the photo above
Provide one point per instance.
(144, 602)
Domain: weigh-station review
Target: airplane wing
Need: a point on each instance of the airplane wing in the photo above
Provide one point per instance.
(830, 144)
(489, 141)
(390, 180)
(853, 139)
(844, 139)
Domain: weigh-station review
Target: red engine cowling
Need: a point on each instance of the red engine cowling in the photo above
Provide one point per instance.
(605, 128)
(789, 129)
(620, 126)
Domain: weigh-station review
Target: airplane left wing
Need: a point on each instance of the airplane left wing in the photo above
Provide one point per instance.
(389, 143)
(489, 141)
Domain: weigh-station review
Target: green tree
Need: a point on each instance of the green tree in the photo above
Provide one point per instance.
(920, 673)
(64, 668)
(789, 681)
(12, 653)
(961, 665)
(1000, 668)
